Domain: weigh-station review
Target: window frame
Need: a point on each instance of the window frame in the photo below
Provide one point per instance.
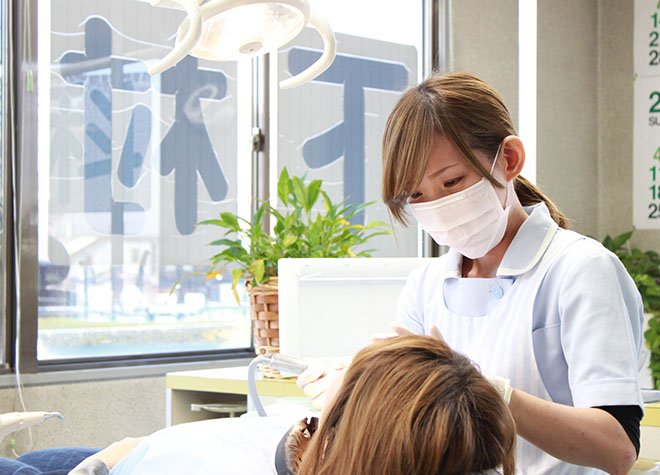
(25, 318)
(6, 236)
(22, 317)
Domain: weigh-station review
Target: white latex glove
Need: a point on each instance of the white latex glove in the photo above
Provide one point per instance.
(503, 387)
(400, 330)
(316, 380)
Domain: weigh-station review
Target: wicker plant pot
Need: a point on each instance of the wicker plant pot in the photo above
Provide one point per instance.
(265, 321)
(265, 318)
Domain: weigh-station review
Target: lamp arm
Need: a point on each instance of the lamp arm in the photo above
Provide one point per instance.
(187, 43)
(325, 61)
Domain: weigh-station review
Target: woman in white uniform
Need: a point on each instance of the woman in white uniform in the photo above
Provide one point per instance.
(526, 299)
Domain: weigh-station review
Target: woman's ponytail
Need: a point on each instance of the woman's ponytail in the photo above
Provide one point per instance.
(529, 194)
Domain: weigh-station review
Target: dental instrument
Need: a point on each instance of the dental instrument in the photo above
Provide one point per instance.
(288, 364)
(15, 421)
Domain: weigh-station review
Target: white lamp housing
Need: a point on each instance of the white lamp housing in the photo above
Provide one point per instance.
(234, 29)
(189, 40)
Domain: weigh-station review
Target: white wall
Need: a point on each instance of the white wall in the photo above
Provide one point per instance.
(485, 43)
(567, 123)
(615, 116)
(584, 100)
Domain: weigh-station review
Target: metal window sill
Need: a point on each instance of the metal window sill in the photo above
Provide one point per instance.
(118, 372)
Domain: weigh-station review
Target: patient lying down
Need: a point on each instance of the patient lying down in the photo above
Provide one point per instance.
(406, 405)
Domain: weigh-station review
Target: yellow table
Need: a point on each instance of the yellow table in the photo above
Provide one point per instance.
(227, 386)
(650, 432)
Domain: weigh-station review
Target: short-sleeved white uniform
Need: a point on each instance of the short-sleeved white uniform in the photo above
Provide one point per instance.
(562, 319)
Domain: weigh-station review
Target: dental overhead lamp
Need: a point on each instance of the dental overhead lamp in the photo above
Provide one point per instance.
(227, 30)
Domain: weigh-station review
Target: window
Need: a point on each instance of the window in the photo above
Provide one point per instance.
(331, 128)
(126, 164)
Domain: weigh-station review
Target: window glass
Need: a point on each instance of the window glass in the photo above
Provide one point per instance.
(331, 128)
(128, 163)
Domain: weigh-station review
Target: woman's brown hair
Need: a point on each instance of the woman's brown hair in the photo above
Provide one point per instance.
(411, 405)
(465, 110)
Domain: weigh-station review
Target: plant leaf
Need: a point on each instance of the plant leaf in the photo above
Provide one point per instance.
(288, 240)
(175, 285)
(236, 275)
(214, 222)
(230, 220)
(299, 191)
(213, 274)
(284, 186)
(621, 239)
(313, 192)
(258, 268)
(259, 215)
(224, 242)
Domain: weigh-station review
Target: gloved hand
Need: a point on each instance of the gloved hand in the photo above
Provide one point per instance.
(503, 386)
(315, 382)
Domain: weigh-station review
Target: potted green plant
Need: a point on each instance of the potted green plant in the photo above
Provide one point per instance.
(249, 251)
(644, 268)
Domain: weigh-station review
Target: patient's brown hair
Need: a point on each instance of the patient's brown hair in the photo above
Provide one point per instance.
(411, 405)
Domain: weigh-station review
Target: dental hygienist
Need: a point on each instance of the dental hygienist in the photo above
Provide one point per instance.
(526, 299)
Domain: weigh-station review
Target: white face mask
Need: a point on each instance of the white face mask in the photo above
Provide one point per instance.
(471, 221)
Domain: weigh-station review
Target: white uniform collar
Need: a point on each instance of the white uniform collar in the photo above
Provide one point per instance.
(528, 245)
(530, 242)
